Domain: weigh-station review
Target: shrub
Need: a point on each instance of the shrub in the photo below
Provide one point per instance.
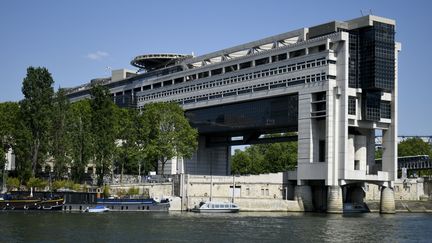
(12, 183)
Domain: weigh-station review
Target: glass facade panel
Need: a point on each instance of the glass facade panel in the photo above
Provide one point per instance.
(386, 109)
(372, 106)
(351, 105)
(266, 114)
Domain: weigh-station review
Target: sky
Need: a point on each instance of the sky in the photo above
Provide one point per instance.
(80, 40)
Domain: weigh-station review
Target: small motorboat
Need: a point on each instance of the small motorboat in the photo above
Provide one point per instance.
(97, 209)
(355, 208)
(216, 207)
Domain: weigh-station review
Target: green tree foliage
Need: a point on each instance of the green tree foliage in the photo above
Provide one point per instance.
(414, 146)
(265, 158)
(80, 137)
(12, 183)
(23, 149)
(65, 184)
(169, 133)
(36, 183)
(133, 191)
(60, 142)
(103, 128)
(129, 149)
(9, 114)
(106, 191)
(36, 108)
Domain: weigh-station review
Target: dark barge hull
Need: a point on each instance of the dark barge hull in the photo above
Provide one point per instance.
(32, 204)
(123, 205)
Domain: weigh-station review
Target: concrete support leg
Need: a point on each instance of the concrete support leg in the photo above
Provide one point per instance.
(303, 195)
(387, 204)
(334, 200)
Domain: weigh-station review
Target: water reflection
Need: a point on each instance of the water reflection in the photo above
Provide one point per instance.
(242, 227)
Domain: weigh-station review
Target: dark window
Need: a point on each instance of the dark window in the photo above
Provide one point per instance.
(245, 65)
(191, 77)
(178, 80)
(386, 109)
(321, 149)
(167, 83)
(279, 57)
(372, 105)
(231, 68)
(261, 61)
(157, 85)
(147, 87)
(356, 164)
(351, 105)
(297, 53)
(216, 71)
(203, 74)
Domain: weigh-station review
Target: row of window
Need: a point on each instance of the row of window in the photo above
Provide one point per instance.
(255, 88)
(240, 78)
(218, 71)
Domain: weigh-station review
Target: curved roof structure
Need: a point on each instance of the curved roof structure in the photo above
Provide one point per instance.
(150, 62)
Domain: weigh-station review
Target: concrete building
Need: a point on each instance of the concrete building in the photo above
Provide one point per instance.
(334, 85)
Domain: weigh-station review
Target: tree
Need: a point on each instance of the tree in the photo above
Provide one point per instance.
(413, 147)
(60, 142)
(241, 163)
(23, 149)
(9, 113)
(265, 158)
(38, 183)
(169, 133)
(80, 137)
(103, 129)
(36, 110)
(127, 149)
(12, 183)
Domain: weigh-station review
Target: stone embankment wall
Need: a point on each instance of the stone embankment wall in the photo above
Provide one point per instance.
(407, 189)
(154, 190)
(266, 192)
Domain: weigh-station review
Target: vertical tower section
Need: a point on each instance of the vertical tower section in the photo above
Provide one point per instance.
(372, 99)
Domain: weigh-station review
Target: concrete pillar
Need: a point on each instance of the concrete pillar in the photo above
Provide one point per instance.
(334, 199)
(387, 204)
(303, 195)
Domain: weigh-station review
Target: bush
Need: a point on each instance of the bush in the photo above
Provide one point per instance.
(12, 183)
(37, 183)
(106, 191)
(58, 184)
(133, 191)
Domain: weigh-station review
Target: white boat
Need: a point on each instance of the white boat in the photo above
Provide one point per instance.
(97, 209)
(216, 207)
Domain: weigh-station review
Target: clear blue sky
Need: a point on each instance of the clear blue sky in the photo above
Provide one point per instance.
(77, 40)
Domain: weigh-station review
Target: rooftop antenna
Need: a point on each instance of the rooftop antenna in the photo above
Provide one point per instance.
(361, 12)
(370, 11)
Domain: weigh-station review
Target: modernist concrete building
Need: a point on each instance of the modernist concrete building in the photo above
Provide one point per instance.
(334, 85)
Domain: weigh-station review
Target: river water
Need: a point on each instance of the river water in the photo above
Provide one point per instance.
(192, 227)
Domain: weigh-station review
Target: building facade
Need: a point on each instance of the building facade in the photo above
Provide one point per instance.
(333, 85)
